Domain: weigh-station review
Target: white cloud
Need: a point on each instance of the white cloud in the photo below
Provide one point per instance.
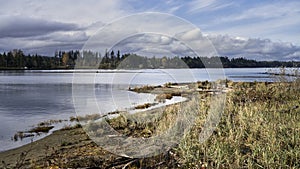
(200, 4)
(259, 49)
(276, 21)
(46, 26)
(174, 9)
(41, 46)
(276, 29)
(69, 11)
(267, 11)
(155, 23)
(206, 5)
(191, 35)
(294, 55)
(68, 37)
(153, 45)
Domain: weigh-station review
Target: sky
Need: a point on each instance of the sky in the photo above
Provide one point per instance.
(262, 30)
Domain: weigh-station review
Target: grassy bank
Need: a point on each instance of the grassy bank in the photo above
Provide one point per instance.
(260, 128)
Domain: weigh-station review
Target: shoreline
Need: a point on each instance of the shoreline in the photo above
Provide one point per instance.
(241, 134)
(79, 70)
(38, 131)
(62, 136)
(73, 137)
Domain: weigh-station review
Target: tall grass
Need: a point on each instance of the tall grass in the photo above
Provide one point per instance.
(260, 128)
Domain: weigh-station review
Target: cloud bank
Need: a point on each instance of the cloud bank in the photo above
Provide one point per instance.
(254, 48)
(271, 29)
(19, 26)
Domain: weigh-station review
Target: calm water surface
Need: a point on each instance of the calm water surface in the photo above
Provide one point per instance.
(30, 97)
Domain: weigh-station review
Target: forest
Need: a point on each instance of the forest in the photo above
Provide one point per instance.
(17, 60)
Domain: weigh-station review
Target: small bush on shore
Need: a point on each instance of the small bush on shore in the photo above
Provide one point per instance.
(163, 97)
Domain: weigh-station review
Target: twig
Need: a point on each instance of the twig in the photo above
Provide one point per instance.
(124, 167)
(121, 163)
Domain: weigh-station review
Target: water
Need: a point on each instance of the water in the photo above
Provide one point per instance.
(30, 97)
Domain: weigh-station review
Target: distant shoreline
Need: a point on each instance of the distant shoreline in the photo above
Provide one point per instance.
(84, 69)
(116, 70)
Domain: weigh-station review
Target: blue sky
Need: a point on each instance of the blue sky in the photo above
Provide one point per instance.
(278, 20)
(265, 30)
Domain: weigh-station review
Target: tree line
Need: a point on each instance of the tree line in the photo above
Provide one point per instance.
(16, 59)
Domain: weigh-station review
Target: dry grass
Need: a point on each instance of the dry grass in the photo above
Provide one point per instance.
(260, 128)
(143, 89)
(163, 97)
(145, 105)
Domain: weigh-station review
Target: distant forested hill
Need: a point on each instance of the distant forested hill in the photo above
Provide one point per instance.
(16, 59)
